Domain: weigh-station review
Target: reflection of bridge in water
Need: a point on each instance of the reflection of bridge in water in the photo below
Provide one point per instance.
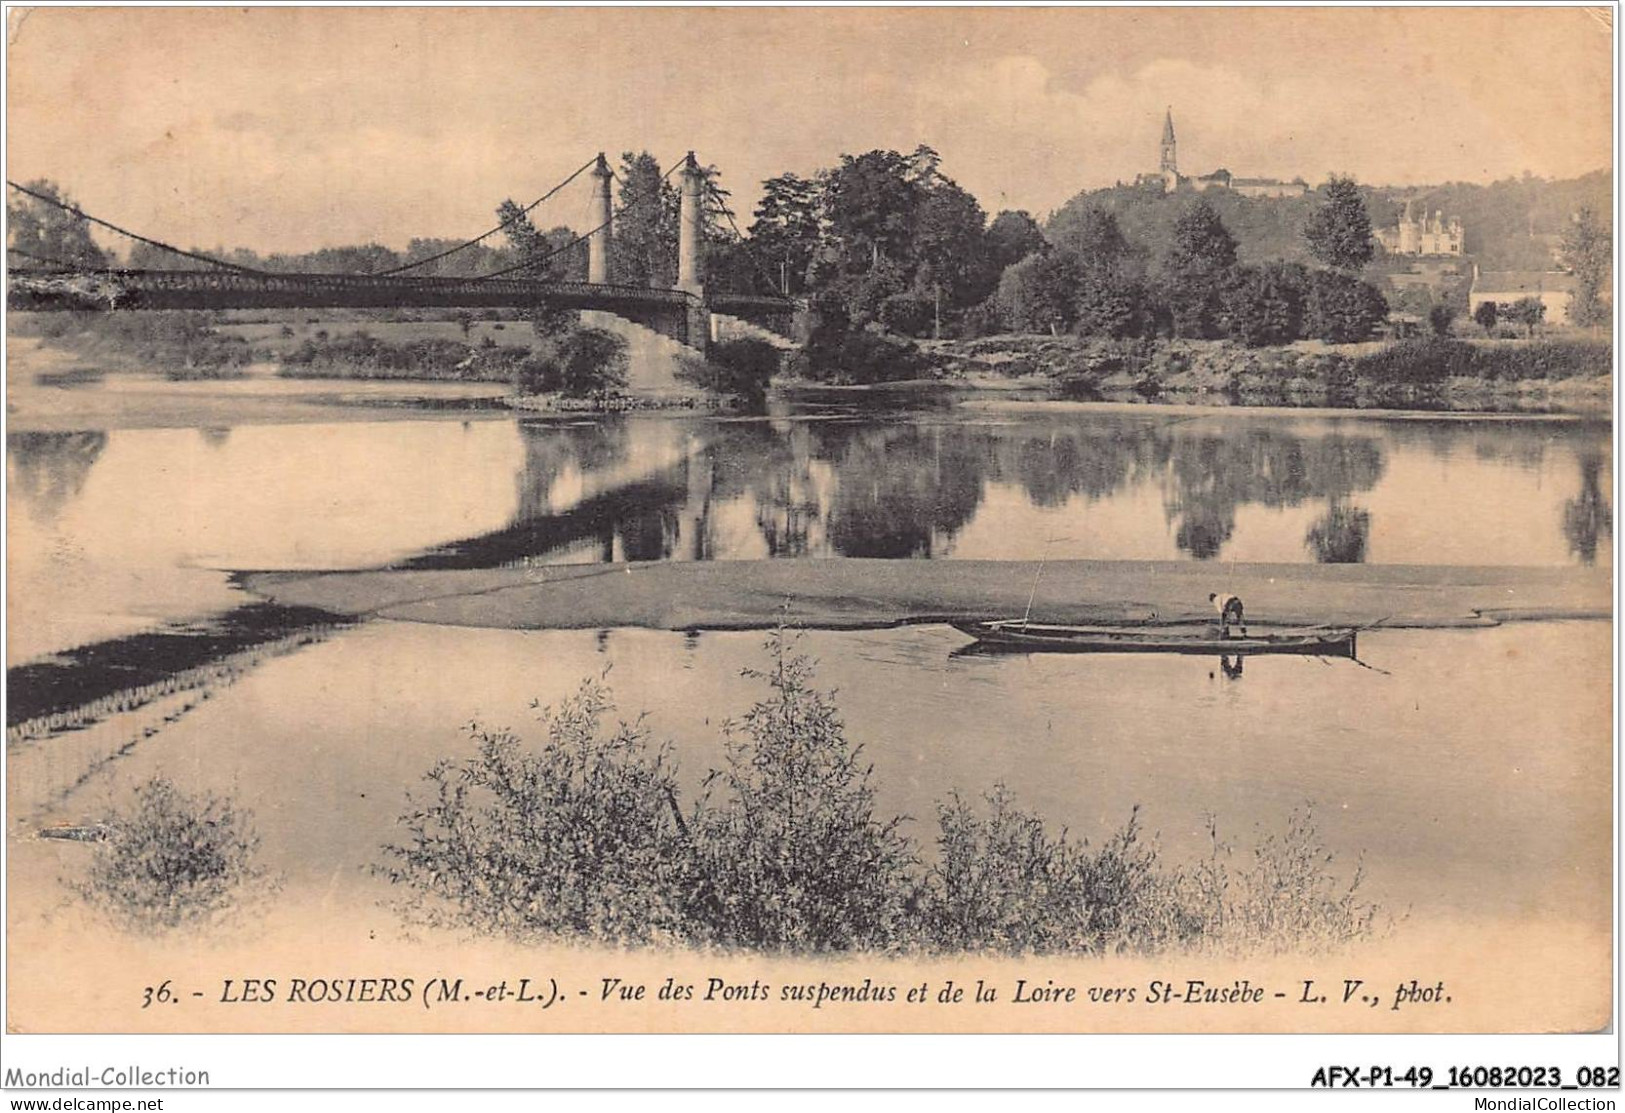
(683, 312)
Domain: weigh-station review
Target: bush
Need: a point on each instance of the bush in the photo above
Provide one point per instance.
(1286, 900)
(359, 354)
(743, 368)
(1415, 362)
(1550, 359)
(579, 363)
(183, 342)
(1003, 884)
(1266, 305)
(1341, 309)
(981, 319)
(911, 313)
(1432, 361)
(839, 351)
(793, 857)
(584, 838)
(173, 861)
(578, 839)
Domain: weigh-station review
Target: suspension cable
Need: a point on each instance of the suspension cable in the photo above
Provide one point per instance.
(82, 215)
(749, 252)
(524, 212)
(536, 262)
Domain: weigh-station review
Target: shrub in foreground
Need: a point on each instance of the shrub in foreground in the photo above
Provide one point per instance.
(1003, 884)
(788, 851)
(578, 839)
(785, 851)
(174, 860)
(1287, 898)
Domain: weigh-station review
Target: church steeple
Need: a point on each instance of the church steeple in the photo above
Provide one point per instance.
(1170, 164)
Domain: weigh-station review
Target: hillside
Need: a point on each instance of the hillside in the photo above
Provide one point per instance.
(1510, 224)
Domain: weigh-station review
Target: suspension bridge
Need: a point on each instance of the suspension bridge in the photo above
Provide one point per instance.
(684, 312)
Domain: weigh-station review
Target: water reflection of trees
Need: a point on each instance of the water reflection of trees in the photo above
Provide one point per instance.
(904, 492)
(1588, 518)
(1209, 477)
(1341, 535)
(49, 469)
(655, 491)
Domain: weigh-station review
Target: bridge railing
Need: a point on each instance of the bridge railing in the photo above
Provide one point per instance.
(672, 311)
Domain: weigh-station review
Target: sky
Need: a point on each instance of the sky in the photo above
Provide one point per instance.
(287, 129)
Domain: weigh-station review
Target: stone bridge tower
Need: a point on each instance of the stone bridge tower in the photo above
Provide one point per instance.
(598, 217)
(690, 251)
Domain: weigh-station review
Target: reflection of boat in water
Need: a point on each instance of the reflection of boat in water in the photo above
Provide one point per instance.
(1017, 634)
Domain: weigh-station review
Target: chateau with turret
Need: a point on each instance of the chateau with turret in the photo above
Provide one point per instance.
(1422, 235)
(1168, 179)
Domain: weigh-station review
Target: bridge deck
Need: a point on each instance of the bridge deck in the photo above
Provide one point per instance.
(675, 313)
(134, 289)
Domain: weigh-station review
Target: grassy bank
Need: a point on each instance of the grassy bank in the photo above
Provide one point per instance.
(183, 345)
(361, 355)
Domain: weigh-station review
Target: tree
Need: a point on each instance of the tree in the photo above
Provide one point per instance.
(1341, 309)
(1040, 293)
(1194, 268)
(149, 257)
(1012, 237)
(1109, 305)
(1098, 241)
(949, 246)
(1588, 253)
(464, 263)
(1339, 231)
(1527, 312)
(788, 227)
(644, 248)
(42, 234)
(1440, 318)
(1202, 245)
(870, 202)
(1486, 315)
(548, 258)
(1265, 305)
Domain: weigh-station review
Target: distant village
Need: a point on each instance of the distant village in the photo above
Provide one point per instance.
(1433, 243)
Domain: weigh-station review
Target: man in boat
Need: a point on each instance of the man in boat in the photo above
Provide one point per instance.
(1229, 608)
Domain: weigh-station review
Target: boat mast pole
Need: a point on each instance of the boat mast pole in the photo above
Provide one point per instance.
(1031, 595)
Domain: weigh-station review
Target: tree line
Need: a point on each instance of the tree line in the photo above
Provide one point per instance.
(886, 242)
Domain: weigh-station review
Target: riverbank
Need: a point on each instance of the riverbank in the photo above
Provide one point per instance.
(1567, 374)
(53, 390)
(860, 594)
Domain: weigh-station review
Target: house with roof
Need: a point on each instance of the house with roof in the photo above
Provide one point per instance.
(1554, 290)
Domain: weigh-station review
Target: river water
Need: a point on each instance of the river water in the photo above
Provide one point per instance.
(111, 531)
(1467, 770)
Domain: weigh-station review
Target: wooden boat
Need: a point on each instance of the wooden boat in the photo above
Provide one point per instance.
(1016, 634)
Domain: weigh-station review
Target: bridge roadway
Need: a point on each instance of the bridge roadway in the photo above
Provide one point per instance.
(675, 313)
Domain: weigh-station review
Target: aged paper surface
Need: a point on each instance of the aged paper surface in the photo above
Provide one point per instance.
(1454, 765)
